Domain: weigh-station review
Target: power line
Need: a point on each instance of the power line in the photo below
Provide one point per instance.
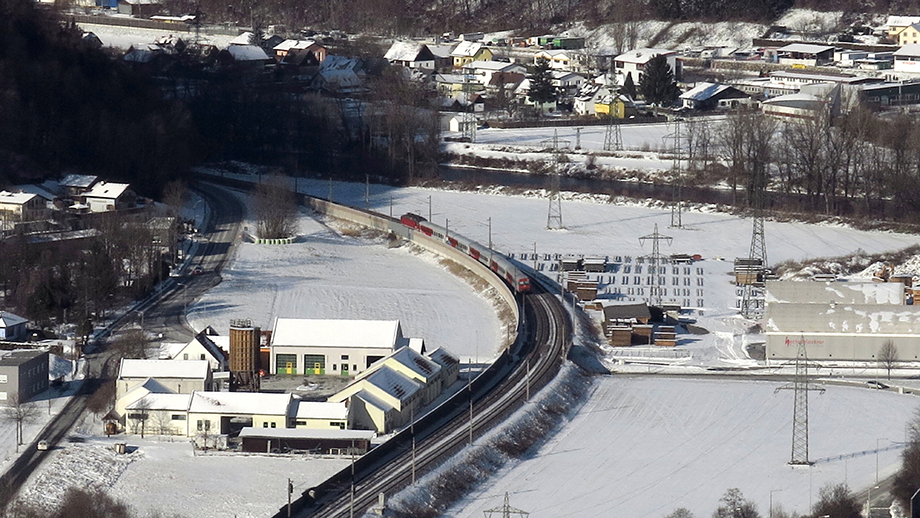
(505, 510)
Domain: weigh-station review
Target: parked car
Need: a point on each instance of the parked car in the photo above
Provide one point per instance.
(876, 384)
(198, 270)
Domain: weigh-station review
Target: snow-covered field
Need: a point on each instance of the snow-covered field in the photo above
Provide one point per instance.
(325, 274)
(644, 446)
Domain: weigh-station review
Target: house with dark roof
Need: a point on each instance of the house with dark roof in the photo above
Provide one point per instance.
(12, 327)
(805, 54)
(712, 96)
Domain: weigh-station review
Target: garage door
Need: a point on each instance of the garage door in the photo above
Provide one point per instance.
(314, 364)
(286, 364)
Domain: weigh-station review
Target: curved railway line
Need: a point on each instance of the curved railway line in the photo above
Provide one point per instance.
(533, 362)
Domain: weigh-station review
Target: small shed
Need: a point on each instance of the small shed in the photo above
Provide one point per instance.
(595, 264)
(12, 327)
(285, 440)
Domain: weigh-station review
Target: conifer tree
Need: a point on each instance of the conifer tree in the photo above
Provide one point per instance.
(657, 84)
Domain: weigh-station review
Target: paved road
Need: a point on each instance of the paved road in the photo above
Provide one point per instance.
(163, 314)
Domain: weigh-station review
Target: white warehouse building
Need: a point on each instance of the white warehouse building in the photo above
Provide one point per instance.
(342, 347)
(839, 321)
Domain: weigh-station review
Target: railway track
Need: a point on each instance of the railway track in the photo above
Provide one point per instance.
(533, 361)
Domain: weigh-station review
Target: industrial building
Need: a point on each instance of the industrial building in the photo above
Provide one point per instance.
(339, 347)
(24, 373)
(839, 321)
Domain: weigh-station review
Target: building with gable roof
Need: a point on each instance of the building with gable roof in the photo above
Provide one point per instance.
(125, 399)
(711, 96)
(109, 196)
(21, 206)
(344, 347)
(162, 413)
(12, 327)
(222, 413)
(468, 51)
(322, 415)
(181, 377)
(633, 63)
(411, 54)
(77, 184)
(907, 58)
(897, 24)
(482, 72)
(288, 47)
(201, 347)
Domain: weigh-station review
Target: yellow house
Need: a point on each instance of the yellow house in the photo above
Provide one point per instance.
(614, 106)
(220, 412)
(468, 51)
(910, 35)
(320, 415)
(897, 24)
(381, 401)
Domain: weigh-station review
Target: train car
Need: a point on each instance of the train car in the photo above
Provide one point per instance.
(505, 269)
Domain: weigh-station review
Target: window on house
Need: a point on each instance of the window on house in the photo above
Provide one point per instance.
(200, 425)
(264, 425)
(202, 356)
(354, 367)
(333, 366)
(344, 356)
(185, 356)
(178, 417)
(273, 425)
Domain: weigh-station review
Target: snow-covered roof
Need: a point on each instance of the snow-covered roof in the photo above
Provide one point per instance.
(107, 190)
(642, 56)
(169, 350)
(184, 369)
(810, 292)
(831, 77)
(307, 433)
(321, 410)
(910, 50)
(412, 360)
(248, 403)
(8, 319)
(441, 51)
(150, 385)
(161, 401)
(307, 332)
(450, 78)
(242, 39)
(466, 49)
(798, 100)
(247, 53)
(805, 48)
(704, 91)
(902, 21)
(37, 190)
(288, 45)
(373, 400)
(206, 341)
(16, 198)
(394, 383)
(404, 51)
(858, 319)
(443, 357)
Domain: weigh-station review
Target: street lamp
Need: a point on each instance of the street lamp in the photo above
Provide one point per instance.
(771, 500)
(877, 439)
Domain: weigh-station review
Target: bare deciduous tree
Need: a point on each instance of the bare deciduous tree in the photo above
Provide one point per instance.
(131, 344)
(888, 355)
(19, 412)
(275, 209)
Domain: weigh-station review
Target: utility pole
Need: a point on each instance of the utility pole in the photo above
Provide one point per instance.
(429, 207)
(469, 388)
(412, 432)
(677, 192)
(330, 189)
(613, 138)
(367, 192)
(655, 259)
(505, 511)
(554, 216)
(290, 492)
(801, 387)
(490, 232)
(468, 124)
(577, 138)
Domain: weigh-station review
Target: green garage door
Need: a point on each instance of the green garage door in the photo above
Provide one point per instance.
(314, 364)
(286, 364)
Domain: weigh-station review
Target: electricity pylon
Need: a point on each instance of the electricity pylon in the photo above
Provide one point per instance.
(505, 511)
(554, 216)
(801, 387)
(468, 123)
(751, 302)
(613, 138)
(655, 259)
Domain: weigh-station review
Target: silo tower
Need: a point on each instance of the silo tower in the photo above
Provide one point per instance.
(244, 356)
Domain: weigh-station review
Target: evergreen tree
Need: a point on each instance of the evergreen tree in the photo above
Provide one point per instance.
(629, 87)
(541, 84)
(657, 84)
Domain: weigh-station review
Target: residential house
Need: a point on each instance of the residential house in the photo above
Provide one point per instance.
(201, 347)
(590, 94)
(24, 373)
(21, 206)
(442, 58)
(468, 51)
(247, 56)
(411, 54)
(77, 184)
(907, 58)
(483, 71)
(896, 24)
(450, 84)
(562, 60)
(343, 347)
(633, 63)
(566, 83)
(711, 96)
(109, 196)
(124, 399)
(288, 47)
(805, 54)
(181, 377)
(12, 327)
(615, 105)
(340, 75)
(909, 35)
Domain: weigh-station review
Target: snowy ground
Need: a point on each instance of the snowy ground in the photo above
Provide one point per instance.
(165, 474)
(325, 274)
(642, 447)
